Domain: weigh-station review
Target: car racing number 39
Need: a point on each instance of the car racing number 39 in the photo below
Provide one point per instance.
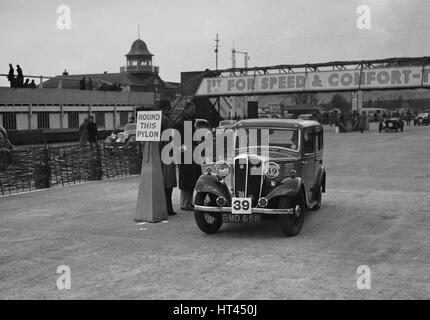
(241, 205)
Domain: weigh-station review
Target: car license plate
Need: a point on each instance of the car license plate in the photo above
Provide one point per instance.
(241, 218)
(241, 205)
(390, 125)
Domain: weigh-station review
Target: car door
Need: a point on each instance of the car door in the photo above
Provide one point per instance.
(319, 147)
(308, 160)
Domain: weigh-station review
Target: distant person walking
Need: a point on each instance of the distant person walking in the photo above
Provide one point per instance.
(11, 76)
(362, 121)
(92, 132)
(83, 133)
(19, 77)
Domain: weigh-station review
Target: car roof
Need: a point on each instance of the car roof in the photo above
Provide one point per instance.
(274, 122)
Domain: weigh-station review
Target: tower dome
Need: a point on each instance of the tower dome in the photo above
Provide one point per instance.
(139, 48)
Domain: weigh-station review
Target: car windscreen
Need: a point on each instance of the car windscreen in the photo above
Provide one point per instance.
(282, 139)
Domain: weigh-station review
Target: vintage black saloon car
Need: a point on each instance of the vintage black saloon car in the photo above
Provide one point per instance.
(393, 124)
(279, 180)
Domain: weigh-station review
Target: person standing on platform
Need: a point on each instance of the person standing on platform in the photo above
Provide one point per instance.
(169, 170)
(83, 133)
(188, 172)
(90, 84)
(82, 83)
(92, 132)
(19, 77)
(11, 76)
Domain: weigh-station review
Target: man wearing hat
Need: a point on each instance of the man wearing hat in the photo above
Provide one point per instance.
(169, 170)
(189, 173)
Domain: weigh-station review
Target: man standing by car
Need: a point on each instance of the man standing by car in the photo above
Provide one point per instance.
(188, 172)
(169, 170)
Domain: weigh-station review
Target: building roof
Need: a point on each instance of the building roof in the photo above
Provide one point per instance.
(281, 123)
(72, 81)
(139, 48)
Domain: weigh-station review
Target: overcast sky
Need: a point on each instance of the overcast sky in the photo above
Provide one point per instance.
(180, 34)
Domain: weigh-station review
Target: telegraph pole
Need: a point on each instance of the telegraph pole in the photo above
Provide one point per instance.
(216, 51)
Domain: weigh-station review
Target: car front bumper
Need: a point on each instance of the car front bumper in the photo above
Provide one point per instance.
(289, 211)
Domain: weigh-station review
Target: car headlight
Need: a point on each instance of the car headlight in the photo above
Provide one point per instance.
(271, 170)
(222, 169)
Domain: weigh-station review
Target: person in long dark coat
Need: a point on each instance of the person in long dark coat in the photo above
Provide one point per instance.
(92, 132)
(11, 76)
(188, 173)
(19, 77)
(169, 170)
(362, 121)
(83, 133)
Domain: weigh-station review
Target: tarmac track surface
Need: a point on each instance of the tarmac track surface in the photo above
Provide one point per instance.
(375, 213)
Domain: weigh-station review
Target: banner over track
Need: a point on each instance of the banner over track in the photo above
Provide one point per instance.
(363, 75)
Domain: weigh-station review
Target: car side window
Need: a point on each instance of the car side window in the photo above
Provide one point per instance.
(320, 141)
(308, 141)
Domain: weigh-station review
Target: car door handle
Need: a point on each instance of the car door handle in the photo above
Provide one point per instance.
(304, 162)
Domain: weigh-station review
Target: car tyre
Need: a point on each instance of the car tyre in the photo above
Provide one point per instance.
(292, 224)
(208, 222)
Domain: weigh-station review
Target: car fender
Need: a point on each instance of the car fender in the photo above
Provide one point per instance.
(288, 187)
(320, 179)
(210, 183)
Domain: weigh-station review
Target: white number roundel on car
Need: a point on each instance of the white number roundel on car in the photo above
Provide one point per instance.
(272, 170)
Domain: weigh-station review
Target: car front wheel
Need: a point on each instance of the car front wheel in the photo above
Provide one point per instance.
(208, 222)
(292, 224)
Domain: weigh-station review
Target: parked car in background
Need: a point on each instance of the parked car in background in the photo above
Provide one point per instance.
(306, 116)
(281, 183)
(393, 125)
(5, 144)
(422, 119)
(370, 112)
(128, 135)
(226, 124)
(202, 124)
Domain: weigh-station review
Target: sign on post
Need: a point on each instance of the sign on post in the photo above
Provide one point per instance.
(151, 201)
(148, 126)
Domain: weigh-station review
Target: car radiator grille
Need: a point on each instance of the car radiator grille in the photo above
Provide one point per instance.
(248, 178)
